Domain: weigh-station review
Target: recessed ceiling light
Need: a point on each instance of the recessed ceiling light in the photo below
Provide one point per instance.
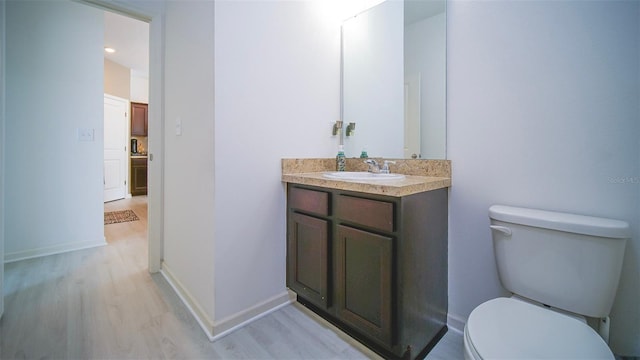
(109, 50)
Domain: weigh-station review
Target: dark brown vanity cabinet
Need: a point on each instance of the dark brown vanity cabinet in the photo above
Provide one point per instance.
(375, 266)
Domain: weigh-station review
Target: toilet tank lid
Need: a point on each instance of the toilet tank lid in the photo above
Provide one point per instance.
(579, 224)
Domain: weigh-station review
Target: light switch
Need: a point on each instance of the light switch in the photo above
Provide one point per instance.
(86, 134)
(178, 126)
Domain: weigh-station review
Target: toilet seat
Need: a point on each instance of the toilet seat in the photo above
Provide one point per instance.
(507, 328)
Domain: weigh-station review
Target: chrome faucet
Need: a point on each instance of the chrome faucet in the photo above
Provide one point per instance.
(374, 166)
(385, 167)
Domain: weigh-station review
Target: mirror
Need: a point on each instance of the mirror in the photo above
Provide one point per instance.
(394, 80)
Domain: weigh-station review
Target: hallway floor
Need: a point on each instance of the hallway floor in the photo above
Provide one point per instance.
(103, 303)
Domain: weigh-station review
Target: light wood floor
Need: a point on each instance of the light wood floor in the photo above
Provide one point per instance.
(102, 303)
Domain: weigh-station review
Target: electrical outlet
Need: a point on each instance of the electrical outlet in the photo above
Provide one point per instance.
(86, 134)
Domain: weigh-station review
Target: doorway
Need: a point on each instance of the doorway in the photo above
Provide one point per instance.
(126, 78)
(150, 13)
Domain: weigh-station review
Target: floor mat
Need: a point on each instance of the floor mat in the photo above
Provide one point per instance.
(114, 217)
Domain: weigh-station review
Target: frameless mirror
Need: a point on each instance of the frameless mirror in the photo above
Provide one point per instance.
(394, 80)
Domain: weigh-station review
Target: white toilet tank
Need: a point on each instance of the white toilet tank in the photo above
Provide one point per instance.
(571, 262)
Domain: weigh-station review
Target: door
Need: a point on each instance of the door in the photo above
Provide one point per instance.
(138, 176)
(115, 147)
(307, 258)
(364, 282)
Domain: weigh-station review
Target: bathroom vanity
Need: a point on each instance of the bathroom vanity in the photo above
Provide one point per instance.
(371, 257)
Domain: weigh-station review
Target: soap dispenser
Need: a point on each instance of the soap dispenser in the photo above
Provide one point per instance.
(340, 159)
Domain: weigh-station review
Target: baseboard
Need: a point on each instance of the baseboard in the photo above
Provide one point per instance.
(245, 317)
(51, 250)
(456, 323)
(219, 329)
(192, 305)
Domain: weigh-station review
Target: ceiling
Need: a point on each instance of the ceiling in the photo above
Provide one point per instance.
(130, 39)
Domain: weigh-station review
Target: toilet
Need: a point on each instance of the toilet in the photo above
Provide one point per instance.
(560, 268)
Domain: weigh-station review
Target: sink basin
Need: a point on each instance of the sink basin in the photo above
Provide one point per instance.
(361, 175)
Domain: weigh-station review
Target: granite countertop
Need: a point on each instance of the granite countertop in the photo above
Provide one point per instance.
(411, 184)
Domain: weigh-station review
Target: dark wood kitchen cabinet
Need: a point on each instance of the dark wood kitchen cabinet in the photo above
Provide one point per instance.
(139, 119)
(138, 176)
(375, 266)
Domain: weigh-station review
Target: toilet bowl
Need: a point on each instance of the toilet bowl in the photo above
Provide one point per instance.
(570, 263)
(509, 328)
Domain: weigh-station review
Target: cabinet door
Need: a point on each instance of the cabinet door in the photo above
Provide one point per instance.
(307, 259)
(364, 282)
(138, 177)
(139, 119)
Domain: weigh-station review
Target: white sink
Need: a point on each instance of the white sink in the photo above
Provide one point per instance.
(361, 175)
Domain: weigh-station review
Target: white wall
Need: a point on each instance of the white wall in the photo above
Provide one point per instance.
(277, 88)
(189, 158)
(542, 112)
(53, 181)
(2, 169)
(139, 87)
(425, 53)
(373, 85)
(117, 79)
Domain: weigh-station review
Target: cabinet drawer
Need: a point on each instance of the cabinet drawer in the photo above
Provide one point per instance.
(309, 200)
(373, 213)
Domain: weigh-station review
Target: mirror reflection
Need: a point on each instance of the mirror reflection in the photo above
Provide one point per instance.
(394, 80)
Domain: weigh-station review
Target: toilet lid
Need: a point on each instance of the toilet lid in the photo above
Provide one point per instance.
(505, 328)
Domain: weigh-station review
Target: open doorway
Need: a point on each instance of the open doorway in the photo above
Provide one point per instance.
(136, 37)
(126, 78)
(151, 14)
(126, 131)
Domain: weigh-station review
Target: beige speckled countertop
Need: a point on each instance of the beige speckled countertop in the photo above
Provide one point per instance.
(420, 176)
